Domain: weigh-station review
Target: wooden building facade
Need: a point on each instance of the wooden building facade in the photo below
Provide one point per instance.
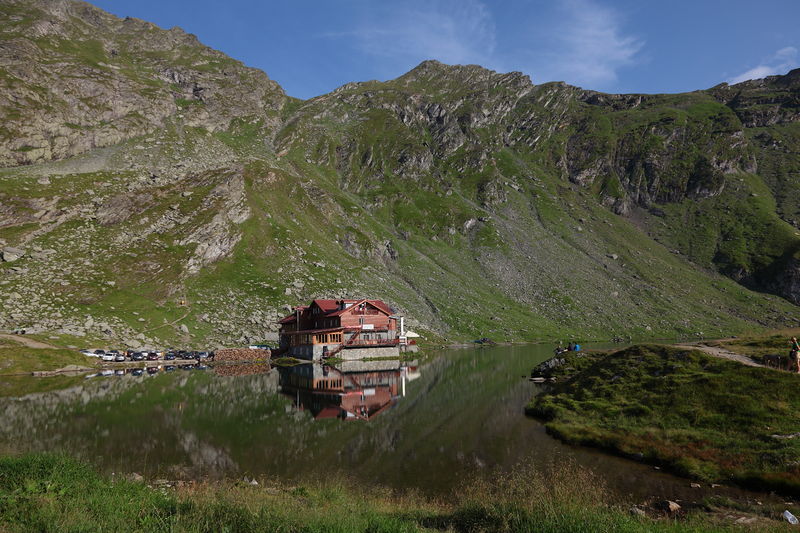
(327, 328)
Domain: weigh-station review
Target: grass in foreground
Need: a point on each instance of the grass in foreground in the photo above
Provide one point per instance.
(53, 493)
(700, 416)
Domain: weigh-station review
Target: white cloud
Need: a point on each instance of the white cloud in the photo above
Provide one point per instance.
(584, 44)
(781, 62)
(589, 46)
(451, 31)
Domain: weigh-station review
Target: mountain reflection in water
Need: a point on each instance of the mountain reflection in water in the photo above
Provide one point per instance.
(460, 418)
(355, 390)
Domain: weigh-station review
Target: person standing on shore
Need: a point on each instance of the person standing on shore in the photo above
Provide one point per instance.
(794, 354)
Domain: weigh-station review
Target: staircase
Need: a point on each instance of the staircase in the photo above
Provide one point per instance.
(350, 341)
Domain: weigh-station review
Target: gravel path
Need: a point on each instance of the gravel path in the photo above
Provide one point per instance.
(30, 343)
(722, 353)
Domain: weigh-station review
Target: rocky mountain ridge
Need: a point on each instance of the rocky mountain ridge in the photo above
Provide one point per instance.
(77, 78)
(156, 190)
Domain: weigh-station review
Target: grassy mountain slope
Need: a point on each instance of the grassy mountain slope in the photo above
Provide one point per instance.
(476, 203)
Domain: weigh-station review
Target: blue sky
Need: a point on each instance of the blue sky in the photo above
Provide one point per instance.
(311, 47)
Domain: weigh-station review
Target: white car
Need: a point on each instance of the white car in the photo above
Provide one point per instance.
(108, 356)
(89, 353)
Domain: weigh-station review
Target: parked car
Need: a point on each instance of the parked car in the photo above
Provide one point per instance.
(89, 353)
(152, 356)
(98, 353)
(107, 357)
(137, 356)
(201, 355)
(119, 358)
(170, 356)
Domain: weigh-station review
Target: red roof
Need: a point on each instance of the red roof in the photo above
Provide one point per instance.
(288, 319)
(331, 308)
(327, 305)
(377, 304)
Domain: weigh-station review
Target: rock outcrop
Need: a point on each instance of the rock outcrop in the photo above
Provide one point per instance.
(78, 78)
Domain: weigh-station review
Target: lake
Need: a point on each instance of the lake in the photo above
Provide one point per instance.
(426, 425)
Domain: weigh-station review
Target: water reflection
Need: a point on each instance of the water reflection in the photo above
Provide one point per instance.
(153, 370)
(461, 416)
(355, 390)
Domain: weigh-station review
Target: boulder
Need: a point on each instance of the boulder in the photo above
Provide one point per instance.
(545, 368)
(636, 511)
(10, 254)
(668, 506)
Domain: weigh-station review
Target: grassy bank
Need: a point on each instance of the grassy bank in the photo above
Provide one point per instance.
(53, 493)
(18, 359)
(700, 416)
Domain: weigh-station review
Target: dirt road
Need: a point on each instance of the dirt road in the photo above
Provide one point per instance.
(25, 341)
(722, 353)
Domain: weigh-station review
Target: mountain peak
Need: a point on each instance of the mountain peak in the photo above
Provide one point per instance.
(435, 72)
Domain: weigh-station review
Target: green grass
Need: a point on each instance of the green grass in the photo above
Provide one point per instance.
(757, 346)
(22, 360)
(700, 416)
(53, 493)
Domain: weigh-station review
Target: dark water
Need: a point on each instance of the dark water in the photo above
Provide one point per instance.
(426, 426)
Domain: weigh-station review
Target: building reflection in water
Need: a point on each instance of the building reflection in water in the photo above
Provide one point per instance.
(354, 390)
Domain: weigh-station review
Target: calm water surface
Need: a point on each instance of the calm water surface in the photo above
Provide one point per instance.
(427, 426)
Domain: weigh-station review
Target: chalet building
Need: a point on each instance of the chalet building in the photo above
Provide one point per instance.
(347, 329)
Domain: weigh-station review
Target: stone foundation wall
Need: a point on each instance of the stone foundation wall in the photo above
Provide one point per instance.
(352, 354)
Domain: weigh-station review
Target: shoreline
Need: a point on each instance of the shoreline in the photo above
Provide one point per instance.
(575, 410)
